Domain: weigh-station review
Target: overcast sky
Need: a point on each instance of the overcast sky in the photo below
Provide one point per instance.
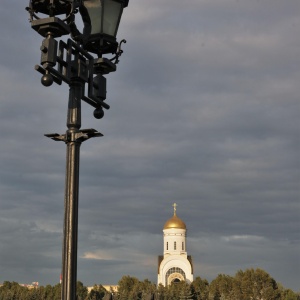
(204, 112)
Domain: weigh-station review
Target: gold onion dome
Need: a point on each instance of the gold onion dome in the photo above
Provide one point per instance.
(175, 222)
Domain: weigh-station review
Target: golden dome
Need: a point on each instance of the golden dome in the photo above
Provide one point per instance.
(175, 222)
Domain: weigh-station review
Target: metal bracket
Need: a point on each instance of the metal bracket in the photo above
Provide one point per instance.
(68, 61)
(80, 136)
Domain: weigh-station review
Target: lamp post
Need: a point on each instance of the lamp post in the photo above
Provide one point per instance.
(73, 63)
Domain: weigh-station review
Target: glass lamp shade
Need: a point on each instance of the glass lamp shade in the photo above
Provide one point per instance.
(103, 22)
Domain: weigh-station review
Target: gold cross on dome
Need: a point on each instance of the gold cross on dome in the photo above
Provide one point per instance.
(174, 205)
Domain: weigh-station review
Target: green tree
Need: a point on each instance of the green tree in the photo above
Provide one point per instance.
(146, 288)
(200, 288)
(288, 294)
(221, 288)
(97, 292)
(13, 291)
(48, 292)
(57, 292)
(160, 292)
(81, 291)
(178, 291)
(255, 284)
(128, 288)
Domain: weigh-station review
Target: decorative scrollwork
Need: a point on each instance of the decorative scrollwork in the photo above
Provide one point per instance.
(119, 52)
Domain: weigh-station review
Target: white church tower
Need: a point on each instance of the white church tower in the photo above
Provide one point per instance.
(175, 265)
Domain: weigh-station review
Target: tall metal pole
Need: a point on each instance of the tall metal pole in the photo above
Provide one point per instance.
(72, 63)
(76, 70)
(73, 142)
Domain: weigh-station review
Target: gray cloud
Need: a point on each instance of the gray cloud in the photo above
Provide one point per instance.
(204, 112)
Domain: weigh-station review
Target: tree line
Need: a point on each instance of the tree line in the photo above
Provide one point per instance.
(245, 285)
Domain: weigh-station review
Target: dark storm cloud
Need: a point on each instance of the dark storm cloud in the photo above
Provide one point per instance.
(204, 112)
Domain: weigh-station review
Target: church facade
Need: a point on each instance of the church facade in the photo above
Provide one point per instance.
(174, 265)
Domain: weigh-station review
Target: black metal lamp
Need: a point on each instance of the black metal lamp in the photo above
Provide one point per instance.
(101, 20)
(72, 63)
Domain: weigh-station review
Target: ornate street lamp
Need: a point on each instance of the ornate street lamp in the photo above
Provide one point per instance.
(101, 20)
(73, 63)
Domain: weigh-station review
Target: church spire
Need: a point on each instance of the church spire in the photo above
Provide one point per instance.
(174, 205)
(175, 221)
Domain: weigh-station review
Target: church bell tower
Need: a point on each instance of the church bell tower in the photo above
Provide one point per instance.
(175, 265)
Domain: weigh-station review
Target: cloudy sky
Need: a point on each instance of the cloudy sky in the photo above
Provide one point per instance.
(204, 112)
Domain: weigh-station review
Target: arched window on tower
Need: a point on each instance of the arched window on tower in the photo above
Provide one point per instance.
(174, 245)
(167, 246)
(180, 275)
